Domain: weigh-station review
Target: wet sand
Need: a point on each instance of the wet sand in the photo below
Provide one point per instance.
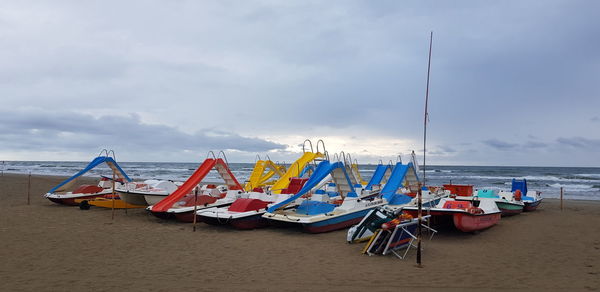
(48, 247)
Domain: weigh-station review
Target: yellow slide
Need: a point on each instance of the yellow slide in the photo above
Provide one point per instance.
(258, 178)
(294, 170)
(357, 174)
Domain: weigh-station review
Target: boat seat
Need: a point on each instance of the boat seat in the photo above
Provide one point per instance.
(527, 199)
(87, 189)
(314, 208)
(295, 185)
(486, 194)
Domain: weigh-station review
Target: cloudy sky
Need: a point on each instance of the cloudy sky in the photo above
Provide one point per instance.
(512, 83)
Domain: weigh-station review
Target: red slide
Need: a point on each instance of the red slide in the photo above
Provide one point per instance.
(186, 188)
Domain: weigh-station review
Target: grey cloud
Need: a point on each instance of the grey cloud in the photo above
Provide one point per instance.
(500, 145)
(579, 142)
(57, 131)
(595, 119)
(535, 144)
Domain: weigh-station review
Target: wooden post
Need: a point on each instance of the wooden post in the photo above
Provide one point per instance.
(195, 206)
(561, 198)
(113, 197)
(29, 189)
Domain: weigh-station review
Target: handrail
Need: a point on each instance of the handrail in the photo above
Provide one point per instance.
(255, 158)
(304, 144)
(322, 143)
(342, 156)
(326, 154)
(224, 157)
(108, 153)
(267, 157)
(399, 158)
(213, 154)
(104, 150)
(380, 161)
(336, 157)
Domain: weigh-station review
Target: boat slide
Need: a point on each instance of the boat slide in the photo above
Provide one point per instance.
(380, 176)
(59, 195)
(258, 178)
(295, 170)
(172, 204)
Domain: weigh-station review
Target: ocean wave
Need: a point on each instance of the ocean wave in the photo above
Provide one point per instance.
(438, 171)
(571, 187)
(594, 175)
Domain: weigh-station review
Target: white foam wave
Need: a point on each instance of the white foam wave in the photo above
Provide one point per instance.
(594, 175)
(572, 187)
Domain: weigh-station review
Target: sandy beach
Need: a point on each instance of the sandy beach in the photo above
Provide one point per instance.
(48, 247)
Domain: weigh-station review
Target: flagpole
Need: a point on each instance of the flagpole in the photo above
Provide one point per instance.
(420, 193)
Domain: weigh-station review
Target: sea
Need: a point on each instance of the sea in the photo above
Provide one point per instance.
(580, 183)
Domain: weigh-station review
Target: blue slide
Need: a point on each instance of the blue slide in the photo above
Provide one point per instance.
(323, 169)
(97, 161)
(377, 175)
(395, 182)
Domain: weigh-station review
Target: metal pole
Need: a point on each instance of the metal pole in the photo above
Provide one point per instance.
(420, 193)
(195, 206)
(561, 198)
(29, 189)
(426, 116)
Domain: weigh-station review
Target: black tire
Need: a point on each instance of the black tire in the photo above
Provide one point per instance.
(84, 205)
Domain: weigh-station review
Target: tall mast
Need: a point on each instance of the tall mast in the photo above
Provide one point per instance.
(420, 192)
(426, 115)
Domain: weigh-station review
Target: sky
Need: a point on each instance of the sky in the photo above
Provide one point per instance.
(512, 82)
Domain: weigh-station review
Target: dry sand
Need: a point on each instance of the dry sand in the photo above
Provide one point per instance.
(48, 247)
